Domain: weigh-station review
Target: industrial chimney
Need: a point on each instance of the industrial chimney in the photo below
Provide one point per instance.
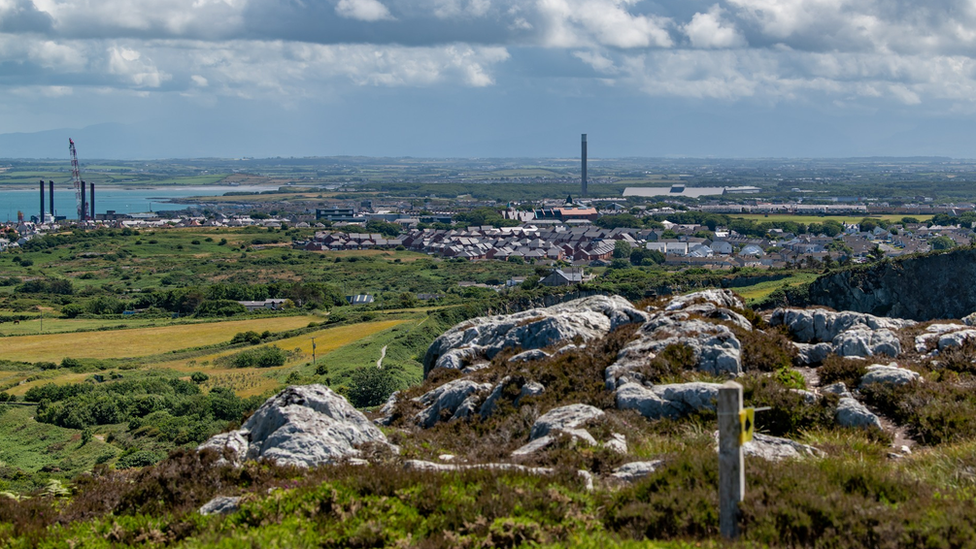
(583, 191)
(83, 211)
(42, 201)
(51, 198)
(91, 193)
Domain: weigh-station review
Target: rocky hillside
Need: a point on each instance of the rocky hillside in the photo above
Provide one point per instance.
(919, 288)
(590, 422)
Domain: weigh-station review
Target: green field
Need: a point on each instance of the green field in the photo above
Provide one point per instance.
(757, 292)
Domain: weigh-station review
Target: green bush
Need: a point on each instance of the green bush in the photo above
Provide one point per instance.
(371, 386)
(264, 357)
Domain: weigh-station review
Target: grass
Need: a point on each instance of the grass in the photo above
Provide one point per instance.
(756, 292)
(139, 341)
(30, 445)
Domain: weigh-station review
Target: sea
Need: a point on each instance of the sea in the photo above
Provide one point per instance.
(120, 199)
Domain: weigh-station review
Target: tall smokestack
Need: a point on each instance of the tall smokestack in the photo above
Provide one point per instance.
(584, 166)
(51, 197)
(91, 193)
(84, 210)
(42, 201)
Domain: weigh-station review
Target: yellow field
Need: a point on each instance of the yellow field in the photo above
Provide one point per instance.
(138, 342)
(326, 341)
(245, 381)
(821, 219)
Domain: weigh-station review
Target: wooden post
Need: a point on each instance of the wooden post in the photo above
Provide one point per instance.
(731, 473)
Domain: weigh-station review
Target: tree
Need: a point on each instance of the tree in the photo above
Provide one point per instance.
(942, 243)
(371, 386)
(622, 249)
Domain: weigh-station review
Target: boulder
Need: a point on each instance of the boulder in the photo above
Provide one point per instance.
(531, 388)
(386, 411)
(564, 418)
(668, 401)
(304, 425)
(838, 389)
(776, 448)
(715, 349)
(587, 318)
(714, 312)
(634, 471)
(956, 339)
(221, 505)
(811, 354)
(861, 341)
(816, 325)
(533, 446)
(851, 413)
(888, 375)
(929, 340)
(526, 356)
(232, 445)
(720, 298)
(969, 320)
(617, 443)
(446, 400)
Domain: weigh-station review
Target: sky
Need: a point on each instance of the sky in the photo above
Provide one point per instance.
(487, 78)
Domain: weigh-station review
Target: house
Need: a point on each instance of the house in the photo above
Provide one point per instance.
(560, 277)
(361, 299)
(273, 304)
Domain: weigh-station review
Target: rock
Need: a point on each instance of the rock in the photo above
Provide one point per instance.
(668, 401)
(467, 408)
(566, 349)
(930, 339)
(812, 354)
(721, 298)
(710, 310)
(577, 435)
(838, 389)
(446, 400)
(816, 325)
(304, 425)
(969, 320)
(888, 375)
(617, 443)
(714, 348)
(587, 318)
(634, 471)
(429, 466)
(955, 339)
(386, 411)
(221, 505)
(530, 388)
(864, 342)
(526, 356)
(851, 413)
(776, 448)
(232, 445)
(564, 418)
(808, 397)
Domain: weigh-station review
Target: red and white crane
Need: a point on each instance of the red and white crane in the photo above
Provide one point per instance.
(76, 177)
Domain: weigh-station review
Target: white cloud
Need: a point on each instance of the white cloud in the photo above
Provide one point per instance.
(363, 10)
(574, 23)
(599, 62)
(128, 64)
(708, 30)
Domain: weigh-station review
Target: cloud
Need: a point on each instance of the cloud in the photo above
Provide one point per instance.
(708, 30)
(363, 10)
(23, 16)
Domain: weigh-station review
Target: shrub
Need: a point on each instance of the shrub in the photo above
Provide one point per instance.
(264, 357)
(199, 377)
(218, 308)
(836, 368)
(768, 351)
(249, 337)
(371, 386)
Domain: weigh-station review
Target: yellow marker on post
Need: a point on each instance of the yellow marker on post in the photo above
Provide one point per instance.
(747, 424)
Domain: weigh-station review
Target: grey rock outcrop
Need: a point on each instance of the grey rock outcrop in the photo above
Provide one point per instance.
(839, 389)
(816, 325)
(809, 353)
(448, 400)
(532, 354)
(776, 448)
(636, 470)
(861, 341)
(484, 337)
(564, 418)
(529, 388)
(667, 401)
(221, 505)
(304, 425)
(851, 413)
(890, 375)
(715, 349)
(721, 298)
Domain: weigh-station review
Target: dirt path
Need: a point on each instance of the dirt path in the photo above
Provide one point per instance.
(379, 363)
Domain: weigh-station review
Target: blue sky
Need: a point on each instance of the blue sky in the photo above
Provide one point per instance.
(487, 78)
